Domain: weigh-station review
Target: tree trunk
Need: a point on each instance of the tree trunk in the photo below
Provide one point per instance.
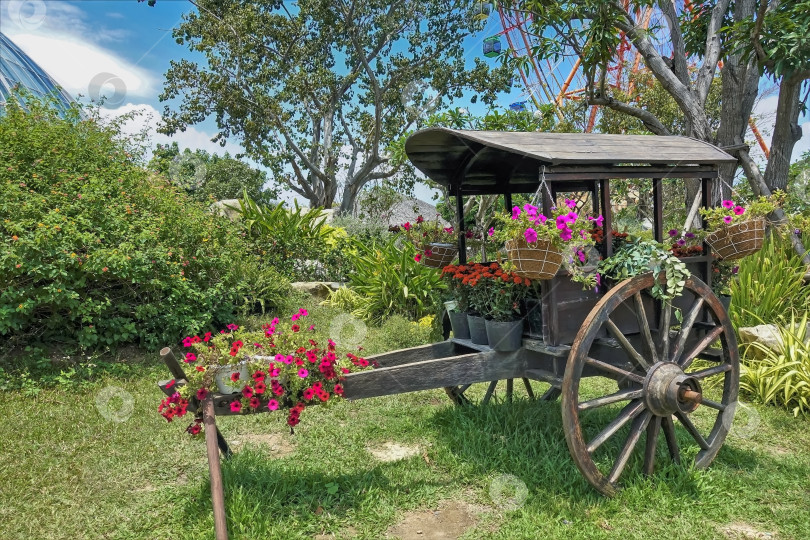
(349, 197)
(786, 133)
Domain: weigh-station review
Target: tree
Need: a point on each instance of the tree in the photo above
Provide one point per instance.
(207, 176)
(315, 92)
(749, 37)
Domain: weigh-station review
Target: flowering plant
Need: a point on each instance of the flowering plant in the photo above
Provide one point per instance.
(566, 229)
(454, 275)
(505, 292)
(723, 274)
(422, 233)
(287, 371)
(479, 279)
(685, 244)
(598, 237)
(730, 213)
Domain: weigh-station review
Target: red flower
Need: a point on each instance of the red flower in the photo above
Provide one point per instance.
(407, 226)
(232, 327)
(295, 328)
(170, 384)
(339, 389)
(207, 337)
(309, 393)
(247, 391)
(258, 376)
(190, 357)
(194, 429)
(254, 402)
(202, 393)
(259, 388)
(420, 219)
(292, 420)
(236, 406)
(235, 376)
(417, 257)
(199, 368)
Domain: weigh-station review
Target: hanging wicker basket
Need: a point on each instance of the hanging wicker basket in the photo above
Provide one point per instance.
(439, 255)
(738, 240)
(540, 260)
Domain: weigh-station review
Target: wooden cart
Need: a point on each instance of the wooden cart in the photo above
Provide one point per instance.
(653, 367)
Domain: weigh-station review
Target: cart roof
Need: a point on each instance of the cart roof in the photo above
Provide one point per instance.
(488, 161)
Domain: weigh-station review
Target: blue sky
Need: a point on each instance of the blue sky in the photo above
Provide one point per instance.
(122, 48)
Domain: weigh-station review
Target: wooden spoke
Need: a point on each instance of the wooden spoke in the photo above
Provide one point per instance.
(632, 410)
(614, 370)
(462, 389)
(490, 390)
(686, 328)
(713, 404)
(716, 370)
(639, 425)
(672, 440)
(693, 431)
(651, 444)
(631, 351)
(622, 395)
(528, 386)
(701, 345)
(663, 328)
(644, 325)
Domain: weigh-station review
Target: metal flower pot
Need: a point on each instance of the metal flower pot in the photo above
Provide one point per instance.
(505, 336)
(461, 327)
(478, 329)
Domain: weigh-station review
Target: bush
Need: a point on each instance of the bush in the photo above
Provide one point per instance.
(769, 285)
(366, 231)
(95, 251)
(298, 243)
(390, 282)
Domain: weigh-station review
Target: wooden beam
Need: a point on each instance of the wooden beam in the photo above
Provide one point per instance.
(214, 470)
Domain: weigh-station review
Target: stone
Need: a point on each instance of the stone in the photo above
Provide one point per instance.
(767, 335)
(317, 289)
(223, 208)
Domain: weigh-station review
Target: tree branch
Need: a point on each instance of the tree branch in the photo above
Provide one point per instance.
(649, 120)
(712, 52)
(679, 66)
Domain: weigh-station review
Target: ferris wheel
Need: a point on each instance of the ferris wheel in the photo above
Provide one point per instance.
(562, 80)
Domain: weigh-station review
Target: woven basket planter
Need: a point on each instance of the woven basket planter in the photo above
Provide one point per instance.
(540, 260)
(440, 255)
(738, 240)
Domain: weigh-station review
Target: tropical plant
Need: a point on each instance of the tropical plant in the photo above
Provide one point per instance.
(768, 285)
(781, 376)
(390, 281)
(638, 257)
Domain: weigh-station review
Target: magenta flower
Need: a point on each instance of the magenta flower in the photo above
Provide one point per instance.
(581, 255)
(187, 341)
(530, 235)
(728, 204)
(673, 232)
(598, 221)
(566, 234)
(202, 393)
(541, 218)
(417, 257)
(739, 210)
(236, 406)
(491, 231)
(190, 357)
(303, 373)
(407, 226)
(232, 327)
(272, 405)
(295, 317)
(727, 219)
(571, 203)
(681, 242)
(515, 212)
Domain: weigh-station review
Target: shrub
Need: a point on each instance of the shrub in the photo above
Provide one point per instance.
(781, 377)
(298, 243)
(769, 285)
(390, 282)
(366, 231)
(95, 251)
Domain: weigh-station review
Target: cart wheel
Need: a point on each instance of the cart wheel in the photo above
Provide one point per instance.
(659, 381)
(461, 395)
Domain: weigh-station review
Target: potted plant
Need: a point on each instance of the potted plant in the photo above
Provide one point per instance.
(538, 245)
(278, 369)
(435, 244)
(738, 231)
(640, 256)
(685, 244)
(479, 279)
(598, 237)
(454, 276)
(504, 323)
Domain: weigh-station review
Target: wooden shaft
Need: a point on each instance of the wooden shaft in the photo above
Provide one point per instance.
(214, 470)
(691, 396)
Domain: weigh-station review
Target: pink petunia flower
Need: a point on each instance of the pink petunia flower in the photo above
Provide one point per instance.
(272, 405)
(727, 219)
(303, 373)
(515, 212)
(190, 357)
(417, 257)
(236, 406)
(728, 204)
(530, 235)
(739, 210)
(491, 231)
(232, 327)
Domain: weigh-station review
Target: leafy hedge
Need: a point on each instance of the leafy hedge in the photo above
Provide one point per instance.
(95, 251)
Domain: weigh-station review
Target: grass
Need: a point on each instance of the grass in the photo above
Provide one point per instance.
(67, 472)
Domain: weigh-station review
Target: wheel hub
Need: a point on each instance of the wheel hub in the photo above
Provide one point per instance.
(669, 390)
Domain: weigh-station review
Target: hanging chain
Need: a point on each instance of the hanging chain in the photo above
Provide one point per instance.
(540, 186)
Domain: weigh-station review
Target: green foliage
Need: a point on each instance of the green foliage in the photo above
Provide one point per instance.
(390, 283)
(769, 285)
(94, 250)
(298, 243)
(365, 231)
(781, 377)
(209, 177)
(300, 86)
(343, 298)
(729, 213)
(641, 256)
(400, 333)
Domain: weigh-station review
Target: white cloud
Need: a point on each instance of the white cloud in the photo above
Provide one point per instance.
(83, 68)
(54, 16)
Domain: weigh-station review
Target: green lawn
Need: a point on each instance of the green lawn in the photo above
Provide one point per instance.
(67, 472)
